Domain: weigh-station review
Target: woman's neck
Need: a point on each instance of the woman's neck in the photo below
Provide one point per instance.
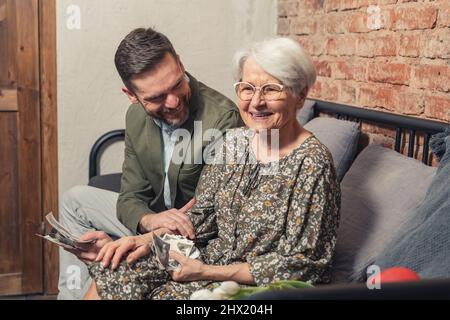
(272, 145)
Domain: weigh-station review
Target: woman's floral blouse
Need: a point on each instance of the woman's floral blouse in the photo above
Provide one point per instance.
(281, 218)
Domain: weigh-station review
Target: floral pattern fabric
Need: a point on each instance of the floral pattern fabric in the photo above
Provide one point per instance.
(282, 222)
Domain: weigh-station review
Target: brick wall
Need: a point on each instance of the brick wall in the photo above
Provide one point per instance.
(390, 55)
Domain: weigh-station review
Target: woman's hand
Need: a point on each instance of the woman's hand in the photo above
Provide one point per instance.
(90, 251)
(114, 251)
(189, 269)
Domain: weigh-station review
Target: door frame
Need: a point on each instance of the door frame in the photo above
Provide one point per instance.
(49, 133)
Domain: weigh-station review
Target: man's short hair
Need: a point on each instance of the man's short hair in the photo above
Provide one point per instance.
(140, 51)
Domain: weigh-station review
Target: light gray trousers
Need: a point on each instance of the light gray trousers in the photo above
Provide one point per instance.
(83, 209)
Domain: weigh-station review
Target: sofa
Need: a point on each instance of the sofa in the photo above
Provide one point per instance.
(384, 196)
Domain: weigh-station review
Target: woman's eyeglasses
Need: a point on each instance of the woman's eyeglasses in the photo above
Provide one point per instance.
(270, 91)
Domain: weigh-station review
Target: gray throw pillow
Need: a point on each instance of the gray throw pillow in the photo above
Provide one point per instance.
(306, 112)
(340, 137)
(379, 192)
(422, 243)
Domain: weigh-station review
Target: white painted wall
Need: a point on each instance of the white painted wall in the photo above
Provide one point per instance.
(206, 33)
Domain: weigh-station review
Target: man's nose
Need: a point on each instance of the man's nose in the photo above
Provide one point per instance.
(172, 101)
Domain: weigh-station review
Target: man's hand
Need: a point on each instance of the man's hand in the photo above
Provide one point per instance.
(173, 219)
(114, 251)
(89, 252)
(189, 269)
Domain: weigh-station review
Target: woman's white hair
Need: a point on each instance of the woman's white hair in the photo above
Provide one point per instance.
(284, 59)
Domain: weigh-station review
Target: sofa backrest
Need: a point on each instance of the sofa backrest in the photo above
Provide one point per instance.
(379, 192)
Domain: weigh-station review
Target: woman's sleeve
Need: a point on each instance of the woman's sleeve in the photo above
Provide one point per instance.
(304, 252)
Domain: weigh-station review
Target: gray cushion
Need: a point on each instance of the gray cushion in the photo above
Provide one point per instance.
(423, 243)
(340, 137)
(379, 192)
(306, 112)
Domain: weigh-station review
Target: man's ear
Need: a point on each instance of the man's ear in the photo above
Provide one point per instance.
(181, 64)
(131, 96)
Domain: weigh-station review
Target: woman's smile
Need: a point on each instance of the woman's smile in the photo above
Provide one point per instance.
(260, 115)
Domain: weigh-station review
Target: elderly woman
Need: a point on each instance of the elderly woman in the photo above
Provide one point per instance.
(253, 225)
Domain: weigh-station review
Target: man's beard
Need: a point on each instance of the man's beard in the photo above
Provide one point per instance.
(175, 122)
(182, 115)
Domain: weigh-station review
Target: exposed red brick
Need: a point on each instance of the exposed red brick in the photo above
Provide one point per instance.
(292, 8)
(353, 4)
(323, 68)
(436, 44)
(313, 45)
(349, 70)
(283, 26)
(377, 46)
(438, 107)
(316, 90)
(303, 25)
(409, 45)
(377, 96)
(342, 36)
(383, 140)
(387, 18)
(418, 17)
(330, 91)
(380, 18)
(287, 8)
(324, 89)
(332, 5)
(309, 6)
(336, 23)
(382, 2)
(282, 8)
(347, 92)
(395, 73)
(432, 77)
(386, 131)
(408, 102)
(444, 16)
(341, 46)
(358, 22)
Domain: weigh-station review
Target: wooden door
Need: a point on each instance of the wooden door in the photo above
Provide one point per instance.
(21, 252)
